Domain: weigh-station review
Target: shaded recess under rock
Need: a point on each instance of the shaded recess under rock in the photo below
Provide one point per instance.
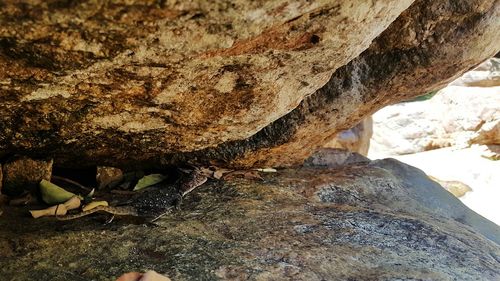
(366, 220)
(237, 83)
(23, 174)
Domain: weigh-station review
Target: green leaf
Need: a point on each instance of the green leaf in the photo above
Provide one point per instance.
(149, 180)
(53, 194)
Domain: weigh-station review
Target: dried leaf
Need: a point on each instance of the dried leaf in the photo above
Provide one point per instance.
(53, 194)
(57, 210)
(149, 180)
(94, 204)
(72, 203)
(108, 177)
(267, 170)
(219, 173)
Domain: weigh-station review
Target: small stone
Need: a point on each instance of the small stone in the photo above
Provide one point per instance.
(108, 177)
(457, 188)
(491, 152)
(24, 174)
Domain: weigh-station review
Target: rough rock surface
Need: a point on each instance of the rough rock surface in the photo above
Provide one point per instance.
(470, 166)
(381, 220)
(174, 76)
(23, 174)
(230, 82)
(108, 177)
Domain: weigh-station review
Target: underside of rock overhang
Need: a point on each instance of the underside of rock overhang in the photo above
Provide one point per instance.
(232, 83)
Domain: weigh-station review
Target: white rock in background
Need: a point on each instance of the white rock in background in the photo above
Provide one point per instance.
(486, 74)
(455, 116)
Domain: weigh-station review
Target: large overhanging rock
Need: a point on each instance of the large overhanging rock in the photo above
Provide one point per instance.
(234, 83)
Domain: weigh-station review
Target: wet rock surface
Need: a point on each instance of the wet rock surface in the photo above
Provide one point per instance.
(379, 220)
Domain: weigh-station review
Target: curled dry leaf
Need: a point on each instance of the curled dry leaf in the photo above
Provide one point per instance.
(214, 172)
(267, 170)
(57, 210)
(73, 203)
(108, 177)
(94, 204)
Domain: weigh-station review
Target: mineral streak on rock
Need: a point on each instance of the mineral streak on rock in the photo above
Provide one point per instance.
(232, 82)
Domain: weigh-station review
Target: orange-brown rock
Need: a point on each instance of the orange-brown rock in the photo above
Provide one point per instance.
(239, 83)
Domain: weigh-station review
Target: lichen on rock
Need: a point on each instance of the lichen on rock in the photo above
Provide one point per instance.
(367, 220)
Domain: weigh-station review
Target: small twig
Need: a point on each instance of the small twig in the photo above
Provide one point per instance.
(71, 182)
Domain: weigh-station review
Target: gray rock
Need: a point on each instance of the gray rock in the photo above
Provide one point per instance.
(381, 220)
(334, 158)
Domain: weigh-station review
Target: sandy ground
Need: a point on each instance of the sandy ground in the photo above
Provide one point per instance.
(464, 165)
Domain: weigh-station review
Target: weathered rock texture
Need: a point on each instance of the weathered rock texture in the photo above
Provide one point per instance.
(380, 220)
(234, 82)
(24, 174)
